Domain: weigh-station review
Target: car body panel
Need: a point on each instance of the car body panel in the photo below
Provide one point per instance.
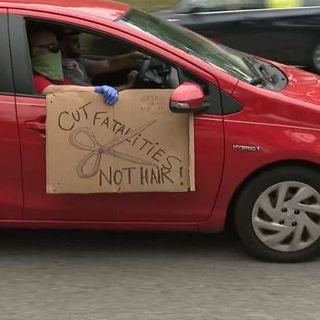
(11, 200)
(190, 206)
(174, 207)
(302, 85)
(279, 127)
(106, 10)
(302, 148)
(276, 126)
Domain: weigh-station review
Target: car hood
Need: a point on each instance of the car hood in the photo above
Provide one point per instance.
(301, 85)
(298, 104)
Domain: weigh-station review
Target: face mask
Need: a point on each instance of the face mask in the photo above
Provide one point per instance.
(49, 65)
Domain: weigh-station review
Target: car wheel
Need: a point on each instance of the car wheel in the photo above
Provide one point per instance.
(316, 59)
(277, 215)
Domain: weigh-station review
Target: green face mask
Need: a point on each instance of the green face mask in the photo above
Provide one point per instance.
(49, 65)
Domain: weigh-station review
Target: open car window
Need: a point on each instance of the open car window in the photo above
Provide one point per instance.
(97, 47)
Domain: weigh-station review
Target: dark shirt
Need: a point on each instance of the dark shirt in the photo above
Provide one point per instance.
(78, 71)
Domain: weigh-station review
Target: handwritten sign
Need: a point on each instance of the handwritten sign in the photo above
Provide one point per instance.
(138, 145)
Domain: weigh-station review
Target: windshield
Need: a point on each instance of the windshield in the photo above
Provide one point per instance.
(226, 59)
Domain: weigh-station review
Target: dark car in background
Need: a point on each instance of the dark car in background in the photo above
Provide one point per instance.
(287, 31)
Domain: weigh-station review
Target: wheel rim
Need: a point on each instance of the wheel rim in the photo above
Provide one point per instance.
(316, 57)
(286, 216)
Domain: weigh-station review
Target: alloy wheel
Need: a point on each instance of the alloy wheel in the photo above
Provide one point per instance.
(286, 216)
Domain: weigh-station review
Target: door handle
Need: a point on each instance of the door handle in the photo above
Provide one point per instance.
(34, 125)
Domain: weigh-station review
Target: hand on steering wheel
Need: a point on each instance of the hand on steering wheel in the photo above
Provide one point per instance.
(143, 69)
(132, 78)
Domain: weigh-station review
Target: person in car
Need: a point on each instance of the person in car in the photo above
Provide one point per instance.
(81, 71)
(48, 75)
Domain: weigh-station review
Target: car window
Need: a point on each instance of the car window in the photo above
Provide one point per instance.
(95, 48)
(21, 64)
(222, 57)
(99, 46)
(6, 80)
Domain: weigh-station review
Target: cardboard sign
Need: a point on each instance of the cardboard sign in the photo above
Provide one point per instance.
(138, 145)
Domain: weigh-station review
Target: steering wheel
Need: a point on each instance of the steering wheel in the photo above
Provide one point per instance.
(154, 70)
(144, 68)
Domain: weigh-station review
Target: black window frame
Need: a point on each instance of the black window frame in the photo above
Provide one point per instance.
(217, 102)
(20, 55)
(212, 104)
(6, 79)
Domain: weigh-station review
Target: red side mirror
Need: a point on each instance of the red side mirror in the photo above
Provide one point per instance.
(188, 97)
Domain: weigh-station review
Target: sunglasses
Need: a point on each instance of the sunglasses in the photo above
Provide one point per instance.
(52, 47)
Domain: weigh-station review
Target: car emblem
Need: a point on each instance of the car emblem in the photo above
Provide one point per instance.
(239, 147)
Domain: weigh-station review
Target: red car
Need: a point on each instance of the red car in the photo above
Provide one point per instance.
(257, 134)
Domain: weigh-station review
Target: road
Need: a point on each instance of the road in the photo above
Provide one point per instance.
(72, 275)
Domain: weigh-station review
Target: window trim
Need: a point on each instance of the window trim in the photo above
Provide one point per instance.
(21, 61)
(6, 80)
(213, 103)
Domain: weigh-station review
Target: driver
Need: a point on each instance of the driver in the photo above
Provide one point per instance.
(81, 71)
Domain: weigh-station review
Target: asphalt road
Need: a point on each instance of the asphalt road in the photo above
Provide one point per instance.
(146, 276)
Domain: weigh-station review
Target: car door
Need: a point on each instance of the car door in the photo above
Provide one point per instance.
(141, 207)
(10, 160)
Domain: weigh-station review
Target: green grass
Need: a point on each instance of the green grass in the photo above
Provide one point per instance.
(151, 5)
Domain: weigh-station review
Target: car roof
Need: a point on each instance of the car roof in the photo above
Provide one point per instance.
(104, 9)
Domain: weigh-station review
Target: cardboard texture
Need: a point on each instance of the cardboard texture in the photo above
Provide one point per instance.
(138, 145)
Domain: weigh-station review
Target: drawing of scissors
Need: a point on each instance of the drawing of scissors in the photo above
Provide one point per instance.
(97, 150)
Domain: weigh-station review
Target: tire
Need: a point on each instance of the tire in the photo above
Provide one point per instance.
(277, 214)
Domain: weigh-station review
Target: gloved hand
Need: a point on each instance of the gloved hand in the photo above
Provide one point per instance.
(110, 95)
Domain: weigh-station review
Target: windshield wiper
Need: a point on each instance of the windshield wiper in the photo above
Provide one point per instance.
(257, 81)
(272, 78)
(262, 73)
(258, 76)
(264, 70)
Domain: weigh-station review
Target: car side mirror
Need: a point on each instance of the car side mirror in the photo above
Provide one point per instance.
(188, 97)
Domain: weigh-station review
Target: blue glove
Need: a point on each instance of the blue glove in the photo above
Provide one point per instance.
(110, 95)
